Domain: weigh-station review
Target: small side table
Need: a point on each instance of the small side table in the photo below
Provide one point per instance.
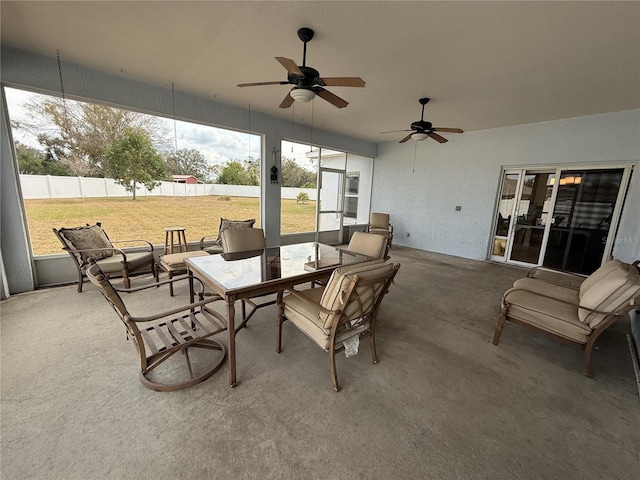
(180, 245)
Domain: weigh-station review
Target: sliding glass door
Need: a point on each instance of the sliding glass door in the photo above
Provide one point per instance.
(559, 218)
(583, 214)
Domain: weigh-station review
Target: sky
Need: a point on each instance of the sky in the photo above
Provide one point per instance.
(218, 145)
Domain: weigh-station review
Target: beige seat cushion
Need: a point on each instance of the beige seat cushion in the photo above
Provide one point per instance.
(374, 246)
(176, 260)
(599, 274)
(306, 317)
(546, 314)
(615, 289)
(242, 239)
(549, 289)
(113, 264)
(379, 221)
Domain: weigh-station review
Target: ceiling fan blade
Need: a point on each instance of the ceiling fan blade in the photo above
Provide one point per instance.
(450, 130)
(331, 98)
(290, 65)
(287, 101)
(341, 81)
(437, 137)
(256, 84)
(405, 138)
(396, 131)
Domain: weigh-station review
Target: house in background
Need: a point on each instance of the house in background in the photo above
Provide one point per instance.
(190, 179)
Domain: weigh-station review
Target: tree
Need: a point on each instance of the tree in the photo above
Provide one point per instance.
(132, 160)
(78, 133)
(303, 197)
(294, 175)
(34, 162)
(235, 172)
(189, 162)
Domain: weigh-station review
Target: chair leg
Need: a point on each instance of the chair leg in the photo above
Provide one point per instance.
(588, 348)
(171, 284)
(332, 368)
(279, 336)
(125, 278)
(80, 279)
(498, 330)
(372, 343)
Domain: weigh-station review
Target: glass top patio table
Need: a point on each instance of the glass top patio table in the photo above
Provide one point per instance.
(260, 272)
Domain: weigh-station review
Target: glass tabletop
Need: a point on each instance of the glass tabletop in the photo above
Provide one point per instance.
(274, 264)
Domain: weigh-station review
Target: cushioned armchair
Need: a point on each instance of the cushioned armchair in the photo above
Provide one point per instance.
(379, 224)
(158, 337)
(344, 310)
(92, 242)
(576, 310)
(211, 246)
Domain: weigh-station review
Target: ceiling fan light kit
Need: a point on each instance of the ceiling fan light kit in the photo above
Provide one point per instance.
(419, 136)
(301, 94)
(306, 81)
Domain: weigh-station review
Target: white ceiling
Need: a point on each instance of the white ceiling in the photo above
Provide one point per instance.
(483, 64)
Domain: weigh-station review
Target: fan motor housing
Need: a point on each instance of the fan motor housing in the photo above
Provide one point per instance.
(421, 125)
(309, 75)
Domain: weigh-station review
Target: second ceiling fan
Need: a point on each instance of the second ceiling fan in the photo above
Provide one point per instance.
(420, 130)
(307, 81)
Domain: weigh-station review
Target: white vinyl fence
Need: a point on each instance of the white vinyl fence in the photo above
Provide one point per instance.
(49, 186)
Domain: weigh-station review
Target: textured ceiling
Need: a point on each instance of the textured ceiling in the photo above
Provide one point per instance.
(483, 64)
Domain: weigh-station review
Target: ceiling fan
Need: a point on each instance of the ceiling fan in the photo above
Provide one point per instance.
(421, 129)
(307, 81)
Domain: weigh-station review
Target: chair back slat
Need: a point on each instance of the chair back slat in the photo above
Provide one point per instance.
(101, 281)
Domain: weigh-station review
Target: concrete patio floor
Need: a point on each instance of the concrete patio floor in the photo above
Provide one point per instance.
(442, 402)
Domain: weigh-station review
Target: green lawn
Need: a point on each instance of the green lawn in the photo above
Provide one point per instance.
(146, 217)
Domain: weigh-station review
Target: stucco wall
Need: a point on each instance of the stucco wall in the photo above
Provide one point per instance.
(465, 172)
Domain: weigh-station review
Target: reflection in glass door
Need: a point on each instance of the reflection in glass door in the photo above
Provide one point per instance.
(532, 214)
(583, 214)
(330, 197)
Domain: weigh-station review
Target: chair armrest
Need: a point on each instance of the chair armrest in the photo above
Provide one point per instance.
(162, 282)
(391, 229)
(136, 240)
(202, 240)
(176, 310)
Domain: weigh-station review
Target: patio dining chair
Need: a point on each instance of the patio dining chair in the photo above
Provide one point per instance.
(239, 240)
(379, 224)
(211, 246)
(158, 337)
(91, 242)
(336, 316)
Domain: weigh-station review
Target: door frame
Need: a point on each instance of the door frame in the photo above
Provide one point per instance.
(331, 235)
